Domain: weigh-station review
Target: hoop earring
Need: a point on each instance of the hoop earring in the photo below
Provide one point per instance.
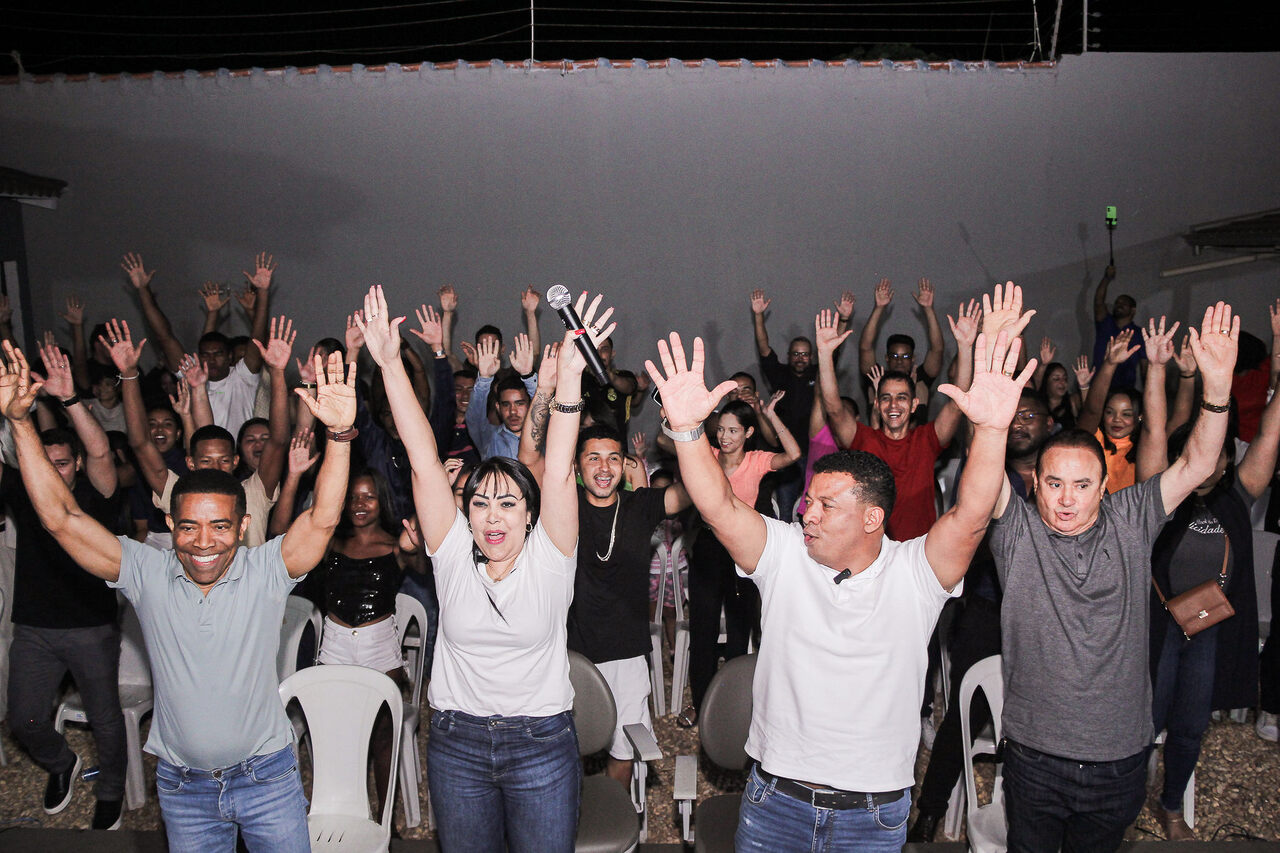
(469, 530)
(528, 527)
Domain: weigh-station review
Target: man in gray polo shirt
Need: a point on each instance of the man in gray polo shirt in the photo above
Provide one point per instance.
(1076, 573)
(210, 613)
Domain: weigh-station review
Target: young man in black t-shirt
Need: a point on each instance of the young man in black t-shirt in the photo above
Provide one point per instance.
(609, 617)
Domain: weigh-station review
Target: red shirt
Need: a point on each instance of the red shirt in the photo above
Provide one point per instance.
(1250, 390)
(911, 459)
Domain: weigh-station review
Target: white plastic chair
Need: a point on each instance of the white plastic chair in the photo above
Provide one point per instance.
(657, 669)
(987, 827)
(298, 614)
(136, 701)
(680, 654)
(1264, 554)
(409, 611)
(341, 704)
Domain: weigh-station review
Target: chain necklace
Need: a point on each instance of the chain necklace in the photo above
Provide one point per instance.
(613, 532)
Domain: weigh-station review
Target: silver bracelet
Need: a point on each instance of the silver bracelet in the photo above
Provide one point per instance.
(685, 435)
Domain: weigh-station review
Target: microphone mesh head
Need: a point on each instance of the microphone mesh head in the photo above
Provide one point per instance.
(558, 296)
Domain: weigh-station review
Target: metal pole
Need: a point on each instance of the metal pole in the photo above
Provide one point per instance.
(530, 33)
(1084, 27)
(1053, 43)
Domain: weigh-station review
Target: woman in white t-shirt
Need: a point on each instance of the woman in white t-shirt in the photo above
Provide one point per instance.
(502, 755)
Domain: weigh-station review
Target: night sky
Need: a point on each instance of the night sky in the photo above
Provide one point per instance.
(133, 36)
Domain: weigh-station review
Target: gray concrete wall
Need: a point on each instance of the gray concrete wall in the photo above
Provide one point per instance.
(675, 190)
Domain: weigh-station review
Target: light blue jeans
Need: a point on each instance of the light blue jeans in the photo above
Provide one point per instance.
(773, 822)
(512, 778)
(261, 796)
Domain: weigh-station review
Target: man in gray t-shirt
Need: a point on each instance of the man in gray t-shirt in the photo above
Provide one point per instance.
(210, 612)
(1076, 573)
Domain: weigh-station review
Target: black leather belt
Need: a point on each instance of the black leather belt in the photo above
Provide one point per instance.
(829, 798)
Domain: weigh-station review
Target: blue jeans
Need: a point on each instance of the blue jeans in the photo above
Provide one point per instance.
(1182, 700)
(1055, 803)
(774, 822)
(261, 796)
(512, 778)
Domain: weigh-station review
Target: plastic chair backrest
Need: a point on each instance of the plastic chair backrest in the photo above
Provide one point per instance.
(985, 675)
(726, 713)
(297, 615)
(595, 713)
(409, 610)
(340, 704)
(135, 665)
(677, 547)
(1264, 555)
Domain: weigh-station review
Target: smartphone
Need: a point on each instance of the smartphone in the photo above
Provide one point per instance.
(657, 396)
(1111, 215)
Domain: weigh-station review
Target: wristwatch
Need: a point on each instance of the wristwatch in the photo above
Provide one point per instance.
(686, 435)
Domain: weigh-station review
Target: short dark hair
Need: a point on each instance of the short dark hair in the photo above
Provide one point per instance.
(208, 481)
(214, 338)
(599, 432)
(465, 372)
(211, 432)
(900, 338)
(896, 376)
(516, 472)
(872, 476)
(802, 339)
(99, 372)
(1073, 438)
(511, 383)
(326, 347)
(742, 374)
(62, 435)
(489, 329)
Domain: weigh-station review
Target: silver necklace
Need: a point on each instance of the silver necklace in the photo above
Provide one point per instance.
(613, 531)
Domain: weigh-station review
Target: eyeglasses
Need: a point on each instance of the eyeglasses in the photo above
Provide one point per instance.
(1027, 417)
(799, 353)
(900, 356)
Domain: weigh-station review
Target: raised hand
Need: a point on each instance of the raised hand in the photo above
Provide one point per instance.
(759, 304)
(50, 339)
(529, 299)
(1159, 343)
(826, 334)
(57, 368)
(448, 299)
(181, 402)
(1185, 357)
(17, 391)
(452, 467)
(1002, 309)
(522, 355)
(924, 293)
(1047, 350)
(353, 338)
(964, 326)
(874, 375)
(992, 398)
(548, 370)
(138, 276)
(214, 296)
(571, 361)
(279, 343)
(1214, 345)
(379, 332)
(469, 353)
(685, 397)
(1084, 373)
(1118, 349)
(247, 298)
(334, 403)
(123, 353)
(487, 354)
(74, 313)
(639, 445)
(301, 457)
(844, 305)
(264, 266)
(770, 408)
(193, 371)
(884, 293)
(432, 333)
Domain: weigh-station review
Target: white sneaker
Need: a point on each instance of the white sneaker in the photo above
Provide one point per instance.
(927, 732)
(1266, 727)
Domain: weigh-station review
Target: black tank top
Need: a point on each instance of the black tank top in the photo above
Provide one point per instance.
(359, 591)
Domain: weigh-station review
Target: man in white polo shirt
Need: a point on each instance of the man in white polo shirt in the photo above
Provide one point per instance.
(210, 612)
(847, 613)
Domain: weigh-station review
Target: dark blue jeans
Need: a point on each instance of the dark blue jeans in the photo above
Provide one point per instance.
(512, 778)
(1182, 700)
(1055, 803)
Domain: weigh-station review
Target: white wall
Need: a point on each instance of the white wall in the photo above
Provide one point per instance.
(675, 190)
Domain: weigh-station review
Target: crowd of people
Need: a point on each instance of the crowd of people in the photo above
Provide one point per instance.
(504, 487)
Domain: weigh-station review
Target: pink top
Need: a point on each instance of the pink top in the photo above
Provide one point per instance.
(745, 480)
(820, 445)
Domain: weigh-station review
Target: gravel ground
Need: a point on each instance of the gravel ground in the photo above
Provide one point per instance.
(1237, 787)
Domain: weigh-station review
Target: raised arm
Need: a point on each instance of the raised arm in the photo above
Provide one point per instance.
(197, 379)
(74, 317)
(867, 341)
(1100, 307)
(759, 305)
(932, 364)
(983, 492)
(1184, 398)
(827, 338)
(448, 314)
(125, 356)
(687, 403)
(534, 432)
(99, 463)
(844, 309)
(1154, 441)
(334, 405)
(529, 299)
(156, 319)
(1215, 347)
(215, 297)
(95, 549)
(1047, 353)
(1118, 350)
(260, 281)
(790, 447)
(300, 460)
(276, 356)
(1257, 467)
(965, 330)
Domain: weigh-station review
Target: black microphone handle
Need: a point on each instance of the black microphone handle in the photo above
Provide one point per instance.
(573, 323)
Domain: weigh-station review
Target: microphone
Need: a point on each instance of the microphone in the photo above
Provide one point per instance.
(845, 575)
(559, 299)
